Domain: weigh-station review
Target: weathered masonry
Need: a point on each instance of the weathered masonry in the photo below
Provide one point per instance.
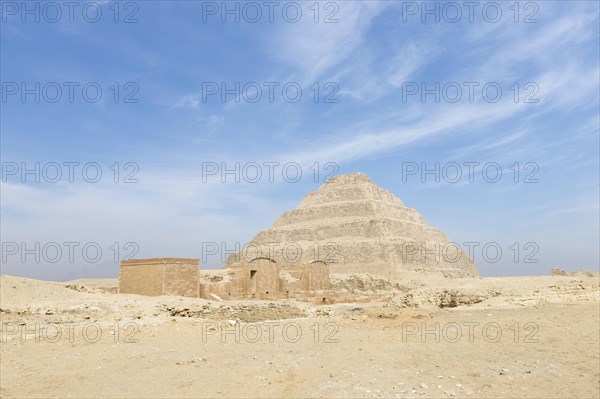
(160, 276)
(358, 227)
(263, 278)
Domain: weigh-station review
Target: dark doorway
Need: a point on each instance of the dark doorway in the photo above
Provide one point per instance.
(253, 279)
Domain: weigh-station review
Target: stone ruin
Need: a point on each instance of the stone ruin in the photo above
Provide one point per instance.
(160, 276)
(349, 225)
(263, 278)
(354, 226)
(259, 279)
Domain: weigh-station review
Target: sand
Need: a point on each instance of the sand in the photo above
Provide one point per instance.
(525, 337)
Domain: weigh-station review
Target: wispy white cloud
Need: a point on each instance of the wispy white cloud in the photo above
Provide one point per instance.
(314, 48)
(187, 101)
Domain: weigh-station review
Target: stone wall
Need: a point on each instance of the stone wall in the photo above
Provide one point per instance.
(263, 278)
(160, 276)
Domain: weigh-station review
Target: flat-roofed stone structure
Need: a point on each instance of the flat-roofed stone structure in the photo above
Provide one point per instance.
(160, 276)
(263, 278)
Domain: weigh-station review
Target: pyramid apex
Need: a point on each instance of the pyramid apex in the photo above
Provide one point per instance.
(356, 177)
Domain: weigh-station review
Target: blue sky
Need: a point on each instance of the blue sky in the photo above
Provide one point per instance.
(369, 57)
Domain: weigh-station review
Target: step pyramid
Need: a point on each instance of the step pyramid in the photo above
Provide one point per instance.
(355, 226)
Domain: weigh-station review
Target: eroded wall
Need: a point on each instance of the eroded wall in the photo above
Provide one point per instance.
(263, 278)
(160, 276)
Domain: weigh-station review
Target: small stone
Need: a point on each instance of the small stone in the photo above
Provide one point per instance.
(424, 386)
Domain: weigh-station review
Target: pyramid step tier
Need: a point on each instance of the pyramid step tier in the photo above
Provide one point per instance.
(355, 226)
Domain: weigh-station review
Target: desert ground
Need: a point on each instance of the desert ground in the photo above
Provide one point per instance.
(512, 337)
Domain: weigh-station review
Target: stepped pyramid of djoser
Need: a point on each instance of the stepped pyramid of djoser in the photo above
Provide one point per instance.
(355, 226)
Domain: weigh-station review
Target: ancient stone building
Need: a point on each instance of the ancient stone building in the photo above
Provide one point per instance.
(263, 278)
(348, 225)
(355, 226)
(160, 276)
